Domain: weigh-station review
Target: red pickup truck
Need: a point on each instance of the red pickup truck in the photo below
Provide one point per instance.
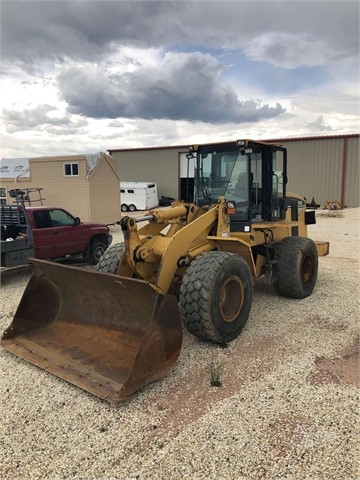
(48, 233)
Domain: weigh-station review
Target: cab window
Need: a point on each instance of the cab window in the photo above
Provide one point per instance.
(60, 218)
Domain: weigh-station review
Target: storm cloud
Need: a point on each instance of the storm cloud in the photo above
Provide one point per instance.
(104, 73)
(89, 30)
(182, 87)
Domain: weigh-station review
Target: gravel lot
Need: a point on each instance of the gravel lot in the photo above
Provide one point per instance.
(288, 407)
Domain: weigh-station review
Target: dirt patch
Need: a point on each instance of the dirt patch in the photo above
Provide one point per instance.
(191, 398)
(287, 431)
(326, 323)
(344, 368)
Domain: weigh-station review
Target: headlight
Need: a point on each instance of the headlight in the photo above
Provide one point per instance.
(231, 210)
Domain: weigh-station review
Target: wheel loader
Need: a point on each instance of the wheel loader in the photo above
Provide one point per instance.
(116, 329)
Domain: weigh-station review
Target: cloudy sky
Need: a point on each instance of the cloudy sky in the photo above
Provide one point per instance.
(86, 76)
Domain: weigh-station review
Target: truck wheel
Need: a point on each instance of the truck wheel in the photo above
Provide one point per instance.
(216, 296)
(97, 249)
(297, 267)
(111, 259)
(124, 207)
(132, 208)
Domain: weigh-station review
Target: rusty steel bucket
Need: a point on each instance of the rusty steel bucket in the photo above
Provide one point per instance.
(107, 334)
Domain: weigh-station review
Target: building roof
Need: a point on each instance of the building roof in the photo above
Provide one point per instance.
(14, 168)
(20, 167)
(271, 140)
(317, 137)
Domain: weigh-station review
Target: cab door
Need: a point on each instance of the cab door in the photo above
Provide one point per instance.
(278, 181)
(70, 236)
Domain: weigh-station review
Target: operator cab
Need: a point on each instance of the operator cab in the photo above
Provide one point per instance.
(250, 175)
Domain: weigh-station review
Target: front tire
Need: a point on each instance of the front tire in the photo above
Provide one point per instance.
(216, 296)
(297, 267)
(111, 259)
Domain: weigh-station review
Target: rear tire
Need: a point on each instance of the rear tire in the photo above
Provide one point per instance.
(96, 250)
(216, 296)
(111, 259)
(132, 208)
(297, 267)
(124, 207)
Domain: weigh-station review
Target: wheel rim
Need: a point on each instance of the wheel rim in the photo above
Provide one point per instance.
(307, 269)
(98, 253)
(231, 298)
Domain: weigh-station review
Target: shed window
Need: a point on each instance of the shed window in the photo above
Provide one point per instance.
(71, 169)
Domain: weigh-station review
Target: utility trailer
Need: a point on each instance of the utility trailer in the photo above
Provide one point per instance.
(138, 196)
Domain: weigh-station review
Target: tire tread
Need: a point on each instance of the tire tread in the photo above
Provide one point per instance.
(195, 293)
(110, 260)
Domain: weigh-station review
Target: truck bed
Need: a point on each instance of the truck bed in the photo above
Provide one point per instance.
(16, 243)
(12, 245)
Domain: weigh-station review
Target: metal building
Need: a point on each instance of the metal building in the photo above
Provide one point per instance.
(326, 168)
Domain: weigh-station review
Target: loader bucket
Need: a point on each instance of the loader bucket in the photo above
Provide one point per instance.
(107, 334)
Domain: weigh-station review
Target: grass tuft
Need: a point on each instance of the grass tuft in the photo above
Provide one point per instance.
(215, 375)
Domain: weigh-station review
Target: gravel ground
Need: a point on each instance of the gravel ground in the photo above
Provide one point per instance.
(288, 407)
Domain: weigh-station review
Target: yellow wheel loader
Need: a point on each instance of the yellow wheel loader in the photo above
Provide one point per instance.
(114, 330)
